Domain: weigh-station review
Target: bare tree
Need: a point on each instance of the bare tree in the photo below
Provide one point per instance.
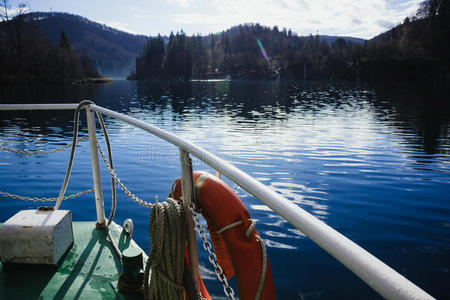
(13, 22)
(4, 10)
(6, 22)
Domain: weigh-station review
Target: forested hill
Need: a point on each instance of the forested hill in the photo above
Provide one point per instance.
(28, 57)
(244, 51)
(419, 49)
(112, 50)
(418, 46)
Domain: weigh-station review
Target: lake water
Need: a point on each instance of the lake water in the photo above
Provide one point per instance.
(370, 161)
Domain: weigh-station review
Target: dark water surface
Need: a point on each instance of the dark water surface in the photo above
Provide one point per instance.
(372, 162)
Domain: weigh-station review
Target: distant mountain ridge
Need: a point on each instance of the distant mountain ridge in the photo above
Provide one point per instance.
(349, 39)
(113, 51)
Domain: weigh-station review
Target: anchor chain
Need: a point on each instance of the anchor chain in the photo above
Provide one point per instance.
(228, 290)
(119, 182)
(36, 199)
(40, 152)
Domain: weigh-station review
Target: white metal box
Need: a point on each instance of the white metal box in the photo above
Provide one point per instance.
(39, 236)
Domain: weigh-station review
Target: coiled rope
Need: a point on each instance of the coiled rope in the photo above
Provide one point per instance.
(168, 241)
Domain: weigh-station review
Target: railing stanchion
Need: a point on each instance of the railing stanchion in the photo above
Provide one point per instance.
(99, 205)
(187, 185)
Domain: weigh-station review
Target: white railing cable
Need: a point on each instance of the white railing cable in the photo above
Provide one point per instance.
(383, 279)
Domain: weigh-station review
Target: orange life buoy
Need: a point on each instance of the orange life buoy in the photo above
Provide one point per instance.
(237, 244)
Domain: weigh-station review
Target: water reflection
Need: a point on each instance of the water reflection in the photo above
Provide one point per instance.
(419, 117)
(370, 161)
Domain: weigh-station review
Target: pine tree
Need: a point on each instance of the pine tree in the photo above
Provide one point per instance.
(64, 41)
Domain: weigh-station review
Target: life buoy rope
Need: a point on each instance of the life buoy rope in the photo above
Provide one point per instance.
(263, 249)
(233, 236)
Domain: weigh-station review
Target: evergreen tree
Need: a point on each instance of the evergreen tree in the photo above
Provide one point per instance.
(64, 41)
(88, 66)
(235, 52)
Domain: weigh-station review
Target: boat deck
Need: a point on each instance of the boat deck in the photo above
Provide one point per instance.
(90, 270)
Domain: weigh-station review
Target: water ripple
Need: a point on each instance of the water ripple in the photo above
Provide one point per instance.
(372, 162)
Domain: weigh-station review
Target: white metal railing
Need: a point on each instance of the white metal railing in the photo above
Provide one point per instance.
(379, 276)
(99, 204)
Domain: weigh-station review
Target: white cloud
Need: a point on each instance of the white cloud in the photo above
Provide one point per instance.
(182, 3)
(365, 18)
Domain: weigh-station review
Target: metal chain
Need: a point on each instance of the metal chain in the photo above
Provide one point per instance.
(229, 292)
(40, 152)
(119, 183)
(36, 199)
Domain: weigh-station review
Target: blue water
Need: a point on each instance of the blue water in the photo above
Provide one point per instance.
(371, 161)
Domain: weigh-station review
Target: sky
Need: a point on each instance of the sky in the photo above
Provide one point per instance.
(357, 18)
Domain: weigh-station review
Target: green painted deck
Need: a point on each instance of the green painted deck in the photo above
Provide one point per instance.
(90, 270)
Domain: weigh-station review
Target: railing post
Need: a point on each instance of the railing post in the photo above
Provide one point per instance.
(99, 206)
(187, 186)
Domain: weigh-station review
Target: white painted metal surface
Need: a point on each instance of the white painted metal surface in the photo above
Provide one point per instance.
(188, 196)
(99, 205)
(58, 106)
(36, 237)
(383, 279)
(132, 242)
